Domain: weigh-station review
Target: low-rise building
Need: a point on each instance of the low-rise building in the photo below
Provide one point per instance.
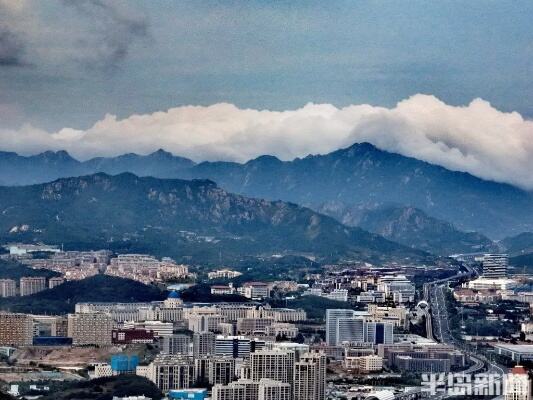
(131, 336)
(419, 365)
(364, 364)
(255, 290)
(223, 289)
(482, 283)
(516, 352)
(282, 329)
(223, 274)
(188, 394)
(395, 315)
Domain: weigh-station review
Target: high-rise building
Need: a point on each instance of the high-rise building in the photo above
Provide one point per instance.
(495, 265)
(238, 390)
(203, 344)
(350, 330)
(16, 329)
(269, 389)
(31, 285)
(247, 389)
(379, 332)
(277, 365)
(8, 288)
(170, 372)
(90, 329)
(310, 377)
(176, 344)
(344, 326)
(220, 370)
(232, 346)
(332, 315)
(55, 281)
(517, 386)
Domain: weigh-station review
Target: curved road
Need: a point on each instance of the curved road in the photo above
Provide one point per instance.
(438, 328)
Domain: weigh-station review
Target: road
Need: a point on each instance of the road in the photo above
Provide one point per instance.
(438, 328)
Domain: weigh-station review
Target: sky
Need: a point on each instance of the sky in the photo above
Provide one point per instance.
(450, 82)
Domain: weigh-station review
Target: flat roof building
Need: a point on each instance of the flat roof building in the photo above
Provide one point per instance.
(495, 265)
(516, 352)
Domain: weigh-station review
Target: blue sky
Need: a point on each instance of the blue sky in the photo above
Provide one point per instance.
(74, 64)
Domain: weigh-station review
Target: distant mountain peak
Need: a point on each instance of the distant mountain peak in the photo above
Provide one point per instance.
(161, 154)
(358, 149)
(57, 156)
(265, 159)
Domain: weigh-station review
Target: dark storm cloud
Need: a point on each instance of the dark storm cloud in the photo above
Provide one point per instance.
(12, 45)
(116, 30)
(11, 49)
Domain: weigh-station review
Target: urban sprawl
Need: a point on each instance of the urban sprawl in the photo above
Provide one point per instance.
(376, 332)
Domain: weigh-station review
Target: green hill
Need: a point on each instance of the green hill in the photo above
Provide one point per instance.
(183, 219)
(63, 298)
(13, 270)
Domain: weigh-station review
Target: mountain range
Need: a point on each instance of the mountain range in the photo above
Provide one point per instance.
(346, 184)
(184, 219)
(49, 166)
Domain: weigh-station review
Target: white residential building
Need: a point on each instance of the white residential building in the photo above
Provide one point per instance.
(517, 385)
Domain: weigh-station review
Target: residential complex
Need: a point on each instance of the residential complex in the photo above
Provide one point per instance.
(31, 285)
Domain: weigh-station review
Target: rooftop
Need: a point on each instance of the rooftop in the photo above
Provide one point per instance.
(519, 370)
(519, 348)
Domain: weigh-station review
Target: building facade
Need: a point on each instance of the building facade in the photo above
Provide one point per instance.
(16, 329)
(495, 265)
(8, 288)
(517, 385)
(31, 285)
(90, 329)
(310, 377)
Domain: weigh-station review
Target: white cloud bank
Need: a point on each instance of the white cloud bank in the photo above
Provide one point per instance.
(476, 138)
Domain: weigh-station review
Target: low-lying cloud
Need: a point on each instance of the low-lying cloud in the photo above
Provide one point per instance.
(476, 138)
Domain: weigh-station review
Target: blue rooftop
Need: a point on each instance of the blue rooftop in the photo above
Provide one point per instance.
(174, 295)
